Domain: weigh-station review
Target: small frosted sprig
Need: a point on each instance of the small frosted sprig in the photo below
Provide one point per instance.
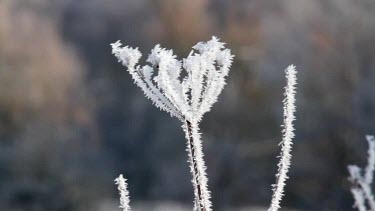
(122, 187)
(288, 135)
(361, 189)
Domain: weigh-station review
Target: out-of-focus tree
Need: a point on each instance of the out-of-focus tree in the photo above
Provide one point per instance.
(46, 114)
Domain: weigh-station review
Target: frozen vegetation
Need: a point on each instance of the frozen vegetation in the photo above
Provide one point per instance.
(187, 89)
(361, 180)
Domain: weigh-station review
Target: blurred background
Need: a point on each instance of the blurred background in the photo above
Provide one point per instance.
(71, 119)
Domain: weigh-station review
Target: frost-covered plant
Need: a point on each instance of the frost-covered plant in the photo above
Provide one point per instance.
(361, 182)
(185, 89)
(288, 135)
(122, 187)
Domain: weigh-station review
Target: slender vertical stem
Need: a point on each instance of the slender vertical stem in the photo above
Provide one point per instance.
(197, 167)
(288, 135)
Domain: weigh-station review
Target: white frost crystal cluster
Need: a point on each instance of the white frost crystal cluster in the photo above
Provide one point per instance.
(184, 88)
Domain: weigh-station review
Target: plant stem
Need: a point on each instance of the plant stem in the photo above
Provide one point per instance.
(197, 167)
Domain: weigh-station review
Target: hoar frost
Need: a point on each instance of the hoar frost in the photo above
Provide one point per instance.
(186, 89)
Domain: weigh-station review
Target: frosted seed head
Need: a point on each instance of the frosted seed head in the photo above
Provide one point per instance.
(154, 57)
(116, 45)
(212, 46)
(224, 57)
(189, 95)
(128, 56)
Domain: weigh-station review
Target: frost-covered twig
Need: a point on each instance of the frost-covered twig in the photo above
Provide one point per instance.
(359, 199)
(122, 187)
(361, 189)
(197, 166)
(288, 135)
(186, 96)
